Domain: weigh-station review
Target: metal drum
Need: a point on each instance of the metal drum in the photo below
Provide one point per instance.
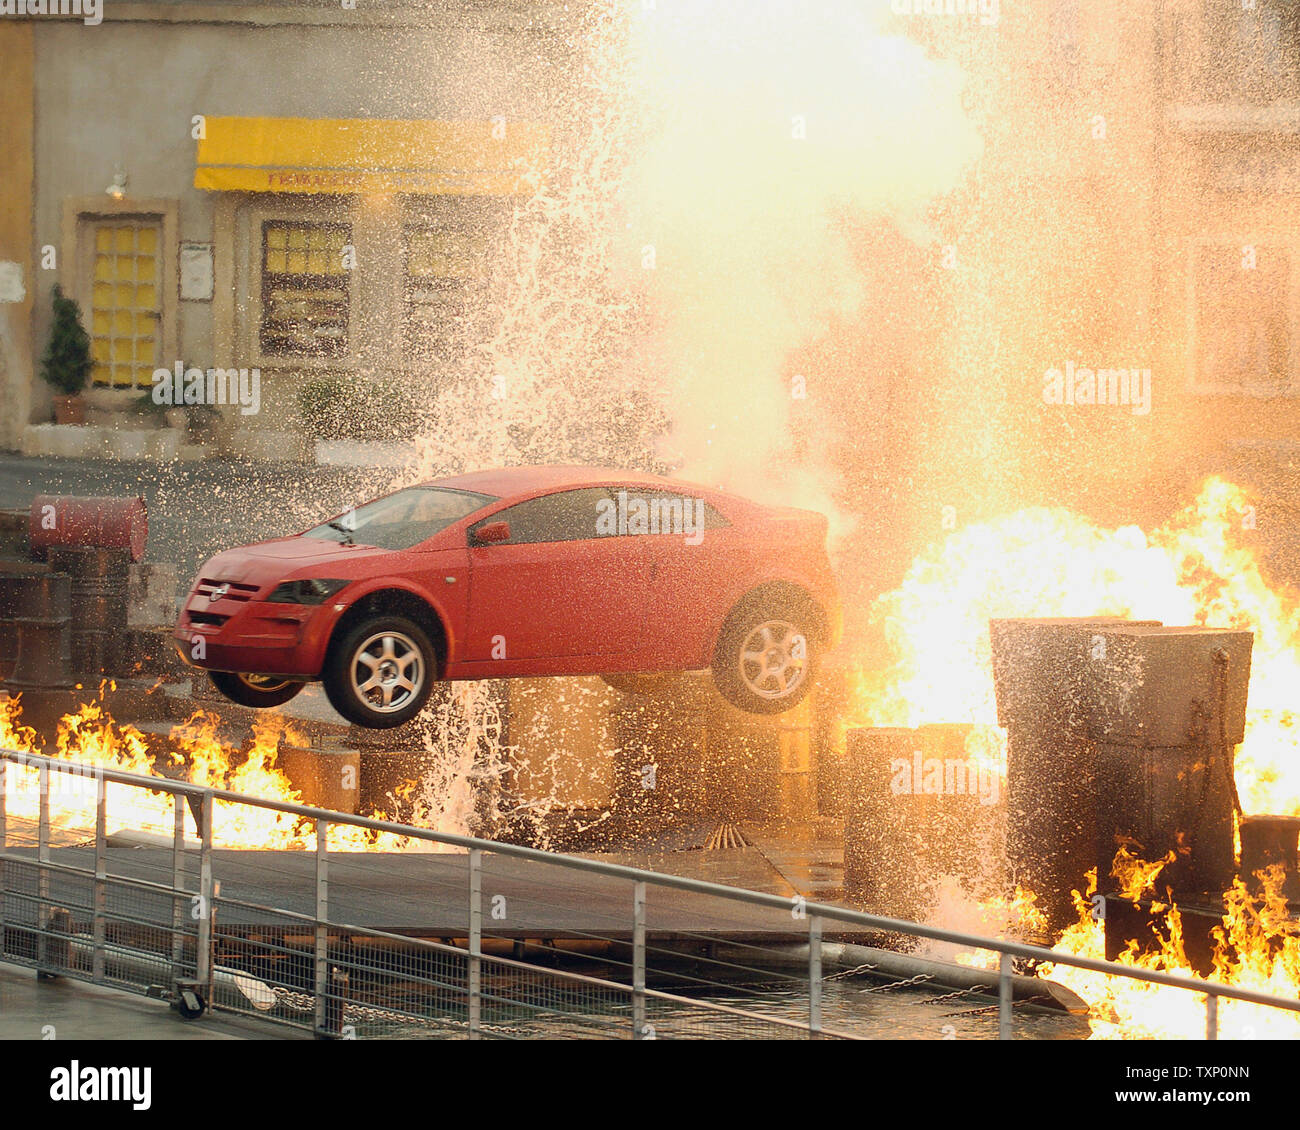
(99, 603)
(106, 523)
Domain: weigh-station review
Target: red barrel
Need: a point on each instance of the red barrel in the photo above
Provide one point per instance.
(107, 523)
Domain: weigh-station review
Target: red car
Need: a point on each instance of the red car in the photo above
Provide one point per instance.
(522, 571)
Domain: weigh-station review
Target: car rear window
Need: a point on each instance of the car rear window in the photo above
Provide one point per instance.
(402, 519)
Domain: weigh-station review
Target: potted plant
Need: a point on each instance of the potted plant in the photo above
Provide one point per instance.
(65, 367)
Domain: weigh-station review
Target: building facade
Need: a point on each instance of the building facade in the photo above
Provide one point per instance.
(306, 190)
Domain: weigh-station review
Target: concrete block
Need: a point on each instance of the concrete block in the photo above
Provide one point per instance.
(65, 441)
(157, 444)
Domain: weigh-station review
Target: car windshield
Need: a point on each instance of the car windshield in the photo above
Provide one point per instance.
(403, 519)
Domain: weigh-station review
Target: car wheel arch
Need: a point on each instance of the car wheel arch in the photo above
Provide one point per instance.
(394, 602)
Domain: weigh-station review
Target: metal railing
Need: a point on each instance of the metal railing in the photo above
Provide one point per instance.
(280, 945)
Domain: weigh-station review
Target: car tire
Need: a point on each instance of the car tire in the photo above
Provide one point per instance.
(758, 665)
(259, 691)
(380, 672)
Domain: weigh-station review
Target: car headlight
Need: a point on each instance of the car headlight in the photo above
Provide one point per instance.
(313, 591)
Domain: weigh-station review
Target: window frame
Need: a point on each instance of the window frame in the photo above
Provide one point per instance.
(470, 293)
(500, 516)
(610, 491)
(345, 278)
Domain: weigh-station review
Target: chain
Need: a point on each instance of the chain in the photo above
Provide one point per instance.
(972, 1012)
(919, 979)
(992, 1007)
(848, 973)
(972, 991)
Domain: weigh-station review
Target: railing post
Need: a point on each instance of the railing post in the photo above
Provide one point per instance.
(179, 807)
(43, 857)
(638, 961)
(4, 844)
(101, 875)
(475, 961)
(320, 962)
(1211, 1016)
(814, 976)
(203, 947)
(1004, 996)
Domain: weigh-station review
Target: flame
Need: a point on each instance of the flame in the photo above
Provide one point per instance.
(1198, 568)
(196, 753)
(1192, 570)
(1257, 948)
(1136, 877)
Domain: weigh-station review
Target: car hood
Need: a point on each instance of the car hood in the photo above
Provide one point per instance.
(269, 562)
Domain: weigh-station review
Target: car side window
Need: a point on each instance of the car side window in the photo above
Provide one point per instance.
(569, 515)
(667, 512)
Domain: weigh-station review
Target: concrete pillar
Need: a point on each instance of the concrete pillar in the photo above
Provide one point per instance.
(659, 758)
(917, 809)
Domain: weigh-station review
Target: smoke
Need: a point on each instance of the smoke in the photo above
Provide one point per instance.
(703, 219)
(773, 134)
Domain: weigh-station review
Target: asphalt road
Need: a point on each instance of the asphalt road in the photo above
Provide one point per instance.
(198, 509)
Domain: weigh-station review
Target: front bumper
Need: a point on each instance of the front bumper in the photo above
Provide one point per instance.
(239, 633)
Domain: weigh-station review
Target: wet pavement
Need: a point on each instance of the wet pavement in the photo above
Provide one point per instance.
(62, 1009)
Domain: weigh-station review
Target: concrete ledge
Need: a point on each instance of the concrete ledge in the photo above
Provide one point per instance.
(89, 441)
(67, 441)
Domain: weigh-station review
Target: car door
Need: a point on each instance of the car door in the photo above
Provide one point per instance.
(689, 546)
(561, 592)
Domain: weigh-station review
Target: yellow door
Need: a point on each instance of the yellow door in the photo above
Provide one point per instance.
(125, 302)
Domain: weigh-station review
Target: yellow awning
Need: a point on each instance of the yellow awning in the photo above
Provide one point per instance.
(362, 155)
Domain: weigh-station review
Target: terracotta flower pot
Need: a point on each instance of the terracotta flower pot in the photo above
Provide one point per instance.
(69, 409)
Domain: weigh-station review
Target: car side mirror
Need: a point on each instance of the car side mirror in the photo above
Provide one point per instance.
(492, 532)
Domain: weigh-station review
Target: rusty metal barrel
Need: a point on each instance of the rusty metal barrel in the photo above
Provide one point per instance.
(44, 604)
(99, 598)
(105, 523)
(881, 872)
(13, 575)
